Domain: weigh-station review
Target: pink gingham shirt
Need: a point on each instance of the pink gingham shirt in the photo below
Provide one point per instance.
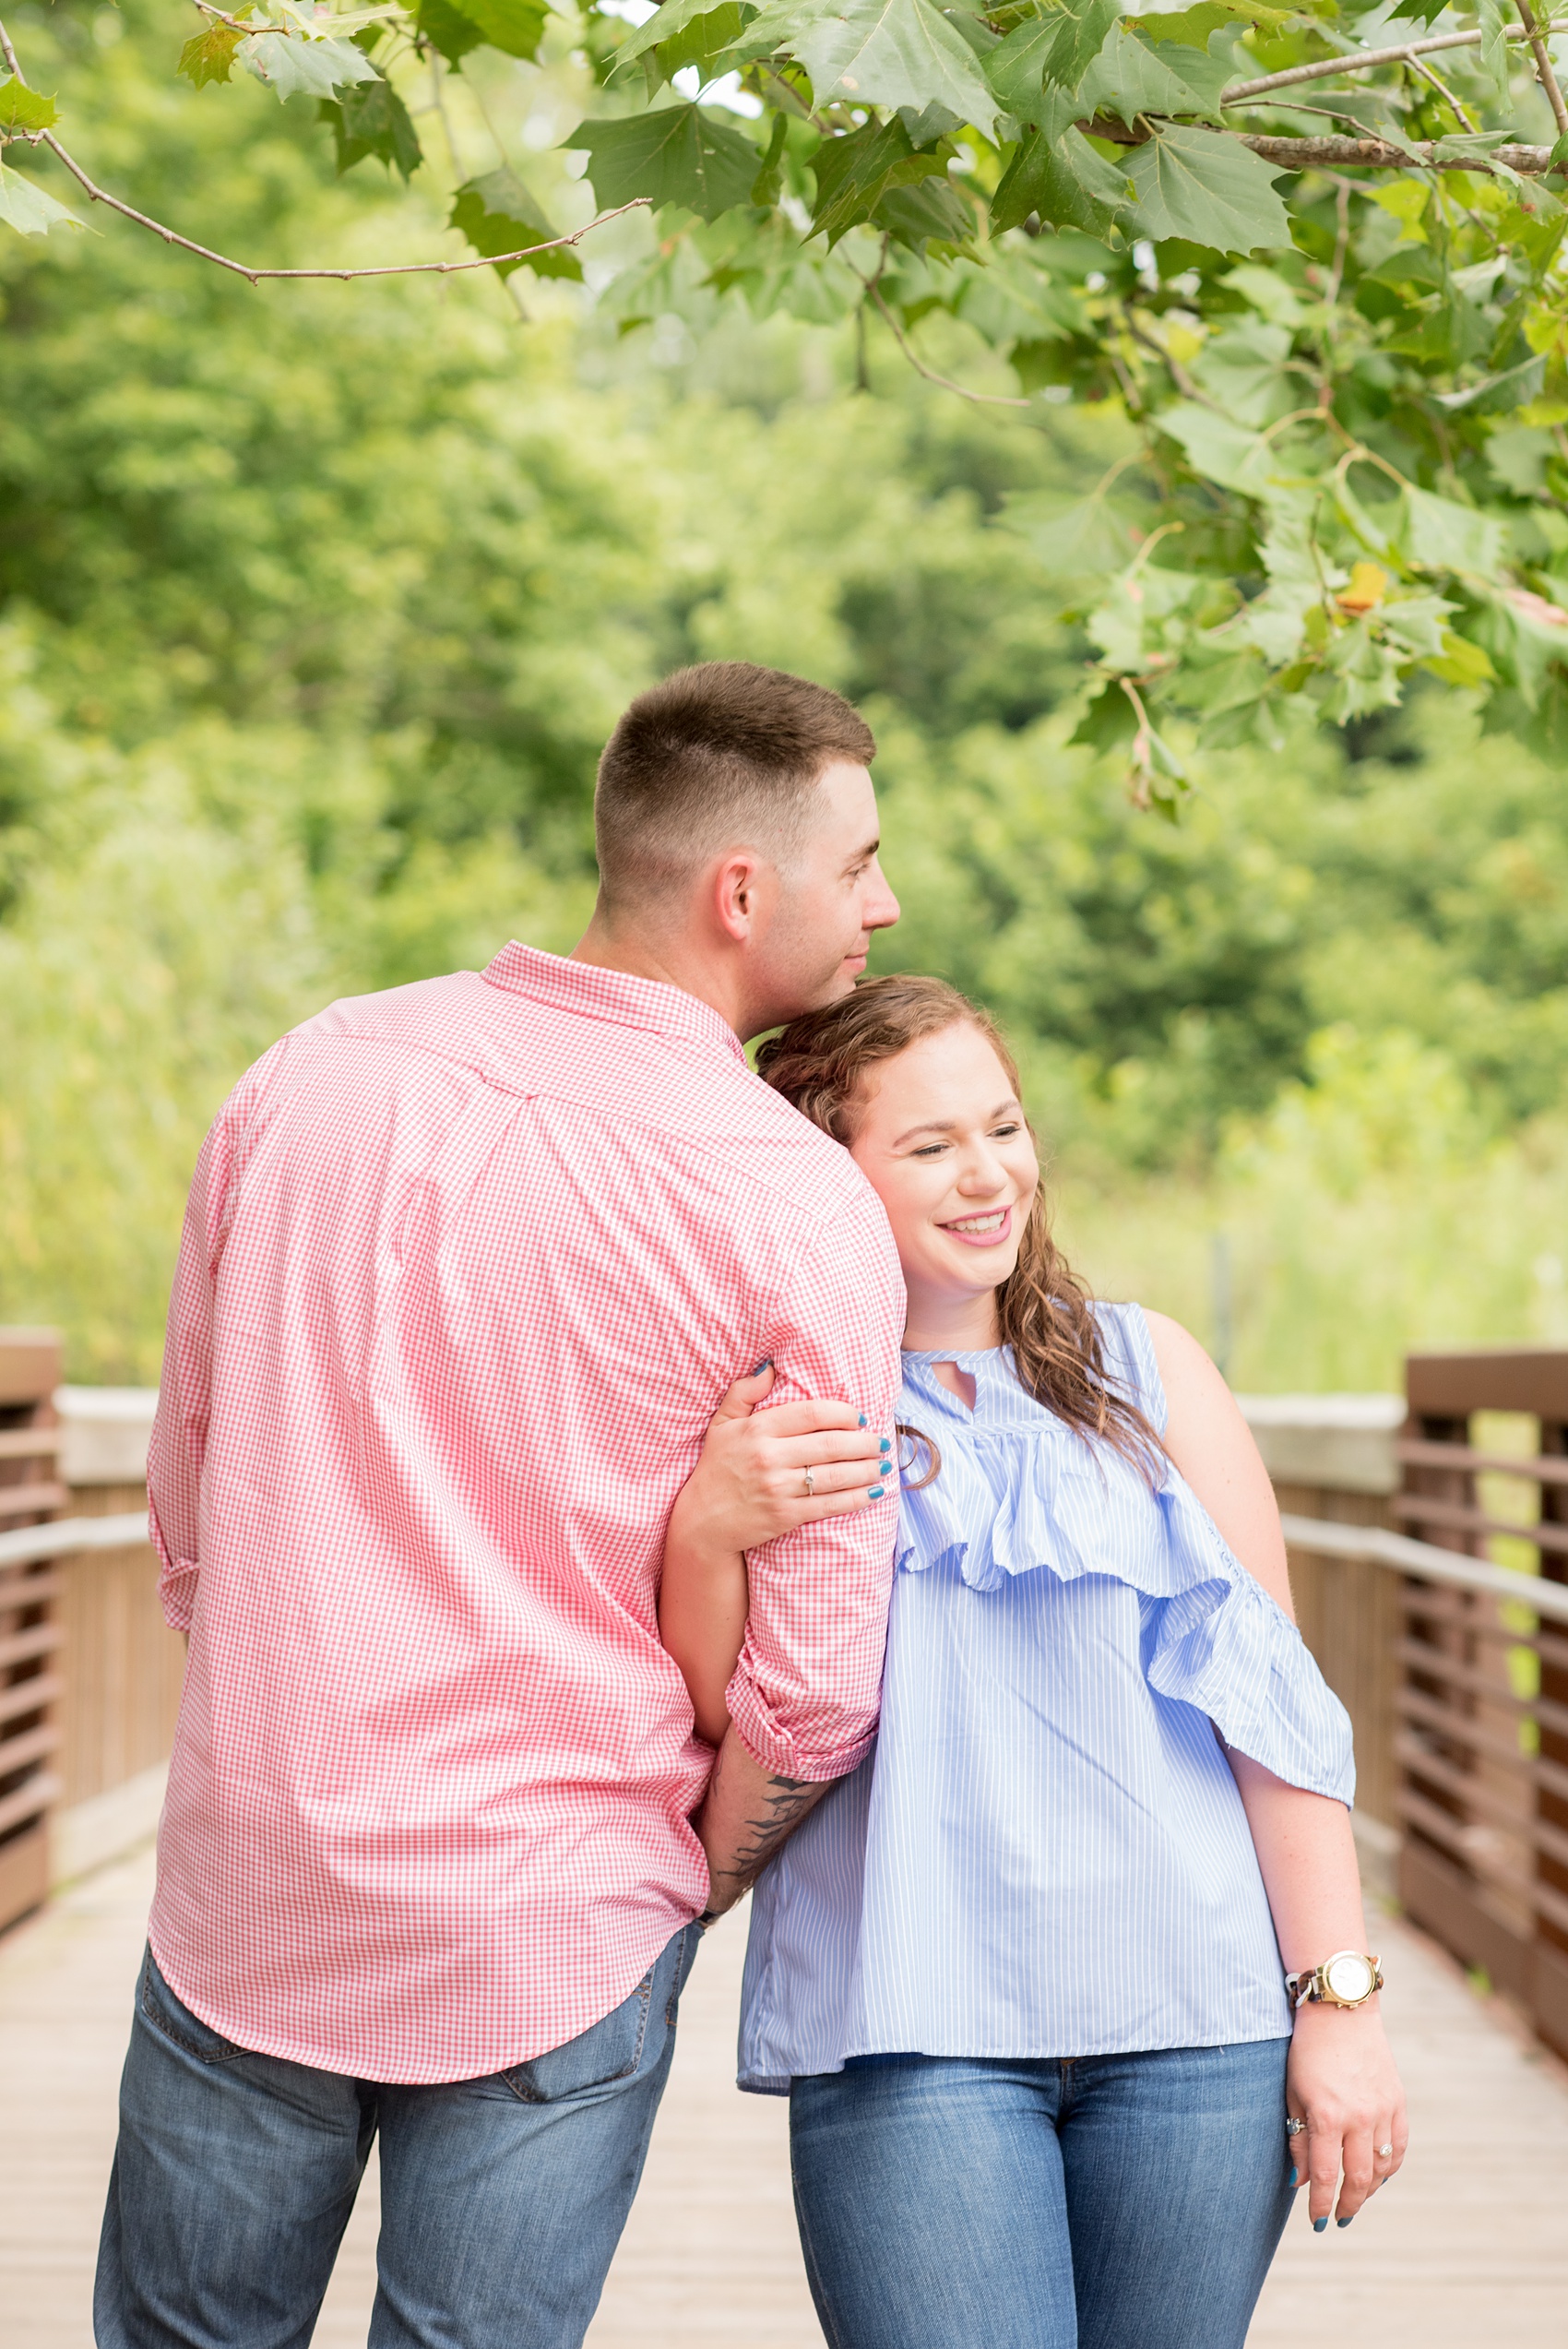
(466, 1269)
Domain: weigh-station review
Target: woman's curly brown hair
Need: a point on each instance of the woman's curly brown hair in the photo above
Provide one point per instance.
(820, 1062)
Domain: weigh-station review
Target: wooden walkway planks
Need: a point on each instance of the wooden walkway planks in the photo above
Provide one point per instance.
(1469, 2245)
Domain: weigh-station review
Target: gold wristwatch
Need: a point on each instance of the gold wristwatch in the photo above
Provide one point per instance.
(1346, 1979)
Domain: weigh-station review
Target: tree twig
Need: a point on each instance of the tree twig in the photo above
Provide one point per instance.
(389, 269)
(1438, 83)
(981, 398)
(1360, 62)
(1543, 68)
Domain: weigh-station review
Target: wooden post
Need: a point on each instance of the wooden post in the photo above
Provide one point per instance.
(30, 1494)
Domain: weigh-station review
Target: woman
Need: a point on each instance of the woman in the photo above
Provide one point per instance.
(1023, 1975)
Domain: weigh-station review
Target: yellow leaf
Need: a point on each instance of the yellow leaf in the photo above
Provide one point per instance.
(1369, 585)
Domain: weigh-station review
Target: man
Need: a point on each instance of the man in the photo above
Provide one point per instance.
(466, 1269)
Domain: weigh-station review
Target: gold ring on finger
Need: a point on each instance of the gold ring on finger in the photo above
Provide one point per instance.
(811, 1484)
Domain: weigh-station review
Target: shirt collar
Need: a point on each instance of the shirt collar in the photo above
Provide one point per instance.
(614, 996)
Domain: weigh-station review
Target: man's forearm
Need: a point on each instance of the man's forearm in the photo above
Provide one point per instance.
(748, 1813)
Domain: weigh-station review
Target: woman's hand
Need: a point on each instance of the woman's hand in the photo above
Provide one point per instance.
(1341, 2080)
(748, 1487)
(750, 1484)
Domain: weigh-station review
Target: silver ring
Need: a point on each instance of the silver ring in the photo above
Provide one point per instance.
(811, 1484)
(1382, 2151)
(1294, 2128)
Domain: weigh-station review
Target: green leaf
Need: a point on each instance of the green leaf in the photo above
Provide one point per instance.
(210, 55)
(448, 29)
(1073, 537)
(498, 215)
(1130, 78)
(1496, 17)
(1442, 535)
(673, 155)
(515, 27)
(853, 171)
(935, 212)
(372, 120)
(1192, 27)
(1016, 67)
(25, 109)
(1460, 662)
(685, 32)
(1079, 41)
(1058, 175)
(294, 67)
(1216, 447)
(880, 52)
(31, 210)
(1202, 185)
(1109, 722)
(768, 185)
(1244, 371)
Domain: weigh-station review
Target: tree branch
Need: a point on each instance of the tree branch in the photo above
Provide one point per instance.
(1360, 62)
(1543, 68)
(242, 269)
(1363, 154)
(1376, 154)
(981, 398)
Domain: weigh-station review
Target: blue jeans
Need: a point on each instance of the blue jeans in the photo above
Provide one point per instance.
(501, 2200)
(1092, 2202)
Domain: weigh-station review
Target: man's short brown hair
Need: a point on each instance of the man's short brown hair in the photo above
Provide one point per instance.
(719, 754)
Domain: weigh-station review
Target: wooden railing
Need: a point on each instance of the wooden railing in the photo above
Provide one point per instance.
(1468, 1732)
(31, 1682)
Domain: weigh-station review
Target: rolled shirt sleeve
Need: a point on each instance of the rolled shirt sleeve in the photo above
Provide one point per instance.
(806, 1690)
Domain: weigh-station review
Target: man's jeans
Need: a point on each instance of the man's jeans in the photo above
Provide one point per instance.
(1105, 2202)
(501, 2200)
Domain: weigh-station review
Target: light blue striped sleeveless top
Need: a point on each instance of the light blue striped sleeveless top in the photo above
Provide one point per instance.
(1046, 1855)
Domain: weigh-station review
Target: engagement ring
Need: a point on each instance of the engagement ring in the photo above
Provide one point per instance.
(1294, 2128)
(1382, 2151)
(811, 1486)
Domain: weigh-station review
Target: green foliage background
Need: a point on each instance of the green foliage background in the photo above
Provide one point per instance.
(316, 604)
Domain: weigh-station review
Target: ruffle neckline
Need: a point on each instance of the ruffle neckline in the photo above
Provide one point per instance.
(1020, 1492)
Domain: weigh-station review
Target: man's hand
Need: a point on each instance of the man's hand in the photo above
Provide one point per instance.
(748, 1813)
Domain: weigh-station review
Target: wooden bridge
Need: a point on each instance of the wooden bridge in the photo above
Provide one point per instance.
(1430, 1559)
(1468, 2247)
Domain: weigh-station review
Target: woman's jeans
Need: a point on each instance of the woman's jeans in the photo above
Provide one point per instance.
(1092, 2203)
(502, 2198)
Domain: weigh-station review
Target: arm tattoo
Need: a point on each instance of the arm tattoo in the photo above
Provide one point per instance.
(784, 1802)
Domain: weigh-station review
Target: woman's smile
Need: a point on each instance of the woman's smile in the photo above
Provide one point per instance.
(987, 1230)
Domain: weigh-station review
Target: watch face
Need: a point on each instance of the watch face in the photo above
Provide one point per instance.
(1348, 1977)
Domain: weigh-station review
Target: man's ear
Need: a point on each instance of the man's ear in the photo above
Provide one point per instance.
(738, 887)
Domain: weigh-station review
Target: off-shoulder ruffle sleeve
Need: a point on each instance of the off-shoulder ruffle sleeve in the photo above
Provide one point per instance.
(1020, 1493)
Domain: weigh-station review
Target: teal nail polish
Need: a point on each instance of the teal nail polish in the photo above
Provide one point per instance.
(1295, 2178)
(1346, 2221)
(862, 1419)
(758, 1367)
(1318, 2226)
(876, 1493)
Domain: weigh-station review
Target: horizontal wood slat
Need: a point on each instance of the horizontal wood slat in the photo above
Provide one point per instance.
(1449, 1833)
(25, 1696)
(31, 1500)
(1425, 1509)
(42, 1640)
(30, 1443)
(1536, 1468)
(31, 1746)
(29, 1800)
